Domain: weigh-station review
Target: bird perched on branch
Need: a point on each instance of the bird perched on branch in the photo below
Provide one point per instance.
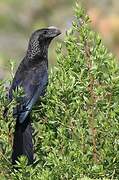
(32, 76)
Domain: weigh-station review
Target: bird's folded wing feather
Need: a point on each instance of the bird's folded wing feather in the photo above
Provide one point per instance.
(34, 84)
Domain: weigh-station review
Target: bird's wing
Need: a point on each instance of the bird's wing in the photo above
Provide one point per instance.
(34, 88)
(34, 85)
(18, 78)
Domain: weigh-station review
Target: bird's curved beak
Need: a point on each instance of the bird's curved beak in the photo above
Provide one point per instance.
(54, 31)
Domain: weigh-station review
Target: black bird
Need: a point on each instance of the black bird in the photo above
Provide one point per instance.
(32, 76)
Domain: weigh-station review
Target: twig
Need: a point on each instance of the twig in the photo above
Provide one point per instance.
(92, 101)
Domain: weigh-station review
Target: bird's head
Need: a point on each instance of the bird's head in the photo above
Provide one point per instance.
(41, 38)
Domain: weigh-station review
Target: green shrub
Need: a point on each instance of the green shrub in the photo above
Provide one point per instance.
(76, 125)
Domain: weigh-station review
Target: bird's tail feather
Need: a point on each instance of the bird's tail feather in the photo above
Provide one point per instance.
(22, 144)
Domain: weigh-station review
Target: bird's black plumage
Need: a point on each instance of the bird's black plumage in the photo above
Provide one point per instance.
(32, 76)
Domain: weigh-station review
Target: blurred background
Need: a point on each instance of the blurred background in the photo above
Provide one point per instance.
(19, 18)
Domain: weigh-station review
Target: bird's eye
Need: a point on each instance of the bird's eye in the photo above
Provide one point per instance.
(45, 32)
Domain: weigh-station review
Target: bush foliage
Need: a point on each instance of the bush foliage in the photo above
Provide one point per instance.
(76, 125)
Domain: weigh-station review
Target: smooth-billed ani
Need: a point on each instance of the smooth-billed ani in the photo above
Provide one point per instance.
(32, 76)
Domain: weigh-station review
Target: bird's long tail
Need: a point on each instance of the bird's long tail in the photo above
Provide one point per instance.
(22, 144)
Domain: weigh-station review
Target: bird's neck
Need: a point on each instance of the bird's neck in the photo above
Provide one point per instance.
(40, 54)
